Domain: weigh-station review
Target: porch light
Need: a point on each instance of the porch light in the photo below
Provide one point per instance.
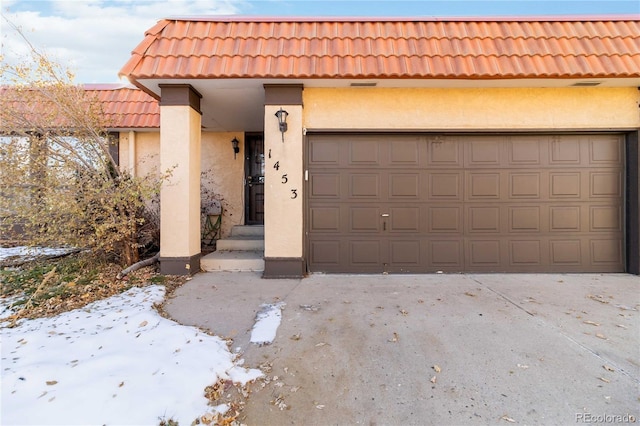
(282, 121)
(236, 148)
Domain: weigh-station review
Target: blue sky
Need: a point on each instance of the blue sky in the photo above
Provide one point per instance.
(441, 8)
(95, 37)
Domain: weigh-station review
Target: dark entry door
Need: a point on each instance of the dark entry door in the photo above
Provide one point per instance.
(254, 179)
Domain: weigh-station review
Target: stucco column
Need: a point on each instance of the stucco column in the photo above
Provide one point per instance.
(180, 144)
(284, 197)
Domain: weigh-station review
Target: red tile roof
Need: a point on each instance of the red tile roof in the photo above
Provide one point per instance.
(126, 107)
(399, 48)
(120, 107)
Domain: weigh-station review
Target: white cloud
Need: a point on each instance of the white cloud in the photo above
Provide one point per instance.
(94, 37)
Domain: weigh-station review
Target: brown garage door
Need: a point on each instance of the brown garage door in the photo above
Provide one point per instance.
(425, 203)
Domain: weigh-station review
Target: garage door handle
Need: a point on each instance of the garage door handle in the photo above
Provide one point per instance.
(385, 215)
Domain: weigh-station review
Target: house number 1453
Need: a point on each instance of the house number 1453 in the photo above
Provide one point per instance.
(285, 179)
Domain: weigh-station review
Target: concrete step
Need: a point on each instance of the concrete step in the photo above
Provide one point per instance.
(244, 242)
(233, 260)
(245, 230)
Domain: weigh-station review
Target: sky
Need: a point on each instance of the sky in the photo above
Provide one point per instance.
(94, 38)
(117, 361)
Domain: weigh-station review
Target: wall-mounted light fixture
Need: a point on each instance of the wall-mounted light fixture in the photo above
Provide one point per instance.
(236, 147)
(282, 121)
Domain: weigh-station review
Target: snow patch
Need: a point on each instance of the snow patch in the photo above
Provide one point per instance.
(29, 253)
(267, 323)
(115, 361)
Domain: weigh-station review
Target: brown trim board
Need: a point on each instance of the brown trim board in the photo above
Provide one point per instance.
(180, 95)
(283, 94)
(632, 224)
(180, 265)
(284, 267)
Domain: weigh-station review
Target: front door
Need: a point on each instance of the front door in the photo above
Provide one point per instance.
(254, 179)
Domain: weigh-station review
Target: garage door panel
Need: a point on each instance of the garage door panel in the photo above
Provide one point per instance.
(405, 253)
(404, 185)
(524, 151)
(364, 186)
(445, 219)
(483, 186)
(444, 152)
(446, 254)
(565, 185)
(566, 252)
(325, 185)
(605, 184)
(605, 251)
(325, 152)
(483, 219)
(605, 218)
(565, 218)
(365, 253)
(521, 203)
(524, 185)
(564, 151)
(606, 150)
(364, 152)
(484, 253)
(525, 219)
(404, 153)
(445, 186)
(364, 219)
(526, 252)
(404, 219)
(483, 152)
(325, 253)
(324, 219)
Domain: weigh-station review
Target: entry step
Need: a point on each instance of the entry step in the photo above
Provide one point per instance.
(233, 260)
(248, 230)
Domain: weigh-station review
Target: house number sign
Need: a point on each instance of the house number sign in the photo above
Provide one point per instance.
(285, 179)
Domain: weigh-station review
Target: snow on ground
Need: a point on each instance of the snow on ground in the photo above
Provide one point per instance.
(116, 361)
(267, 323)
(28, 253)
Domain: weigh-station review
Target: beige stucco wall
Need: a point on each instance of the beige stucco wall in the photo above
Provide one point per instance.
(283, 221)
(471, 109)
(146, 152)
(180, 141)
(222, 175)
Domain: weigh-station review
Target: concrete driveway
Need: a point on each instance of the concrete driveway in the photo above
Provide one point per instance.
(431, 349)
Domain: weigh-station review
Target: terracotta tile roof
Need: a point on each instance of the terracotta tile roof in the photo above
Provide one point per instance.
(350, 48)
(126, 107)
(120, 107)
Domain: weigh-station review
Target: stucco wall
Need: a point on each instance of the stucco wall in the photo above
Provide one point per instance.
(222, 175)
(146, 152)
(471, 109)
(283, 221)
(180, 151)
